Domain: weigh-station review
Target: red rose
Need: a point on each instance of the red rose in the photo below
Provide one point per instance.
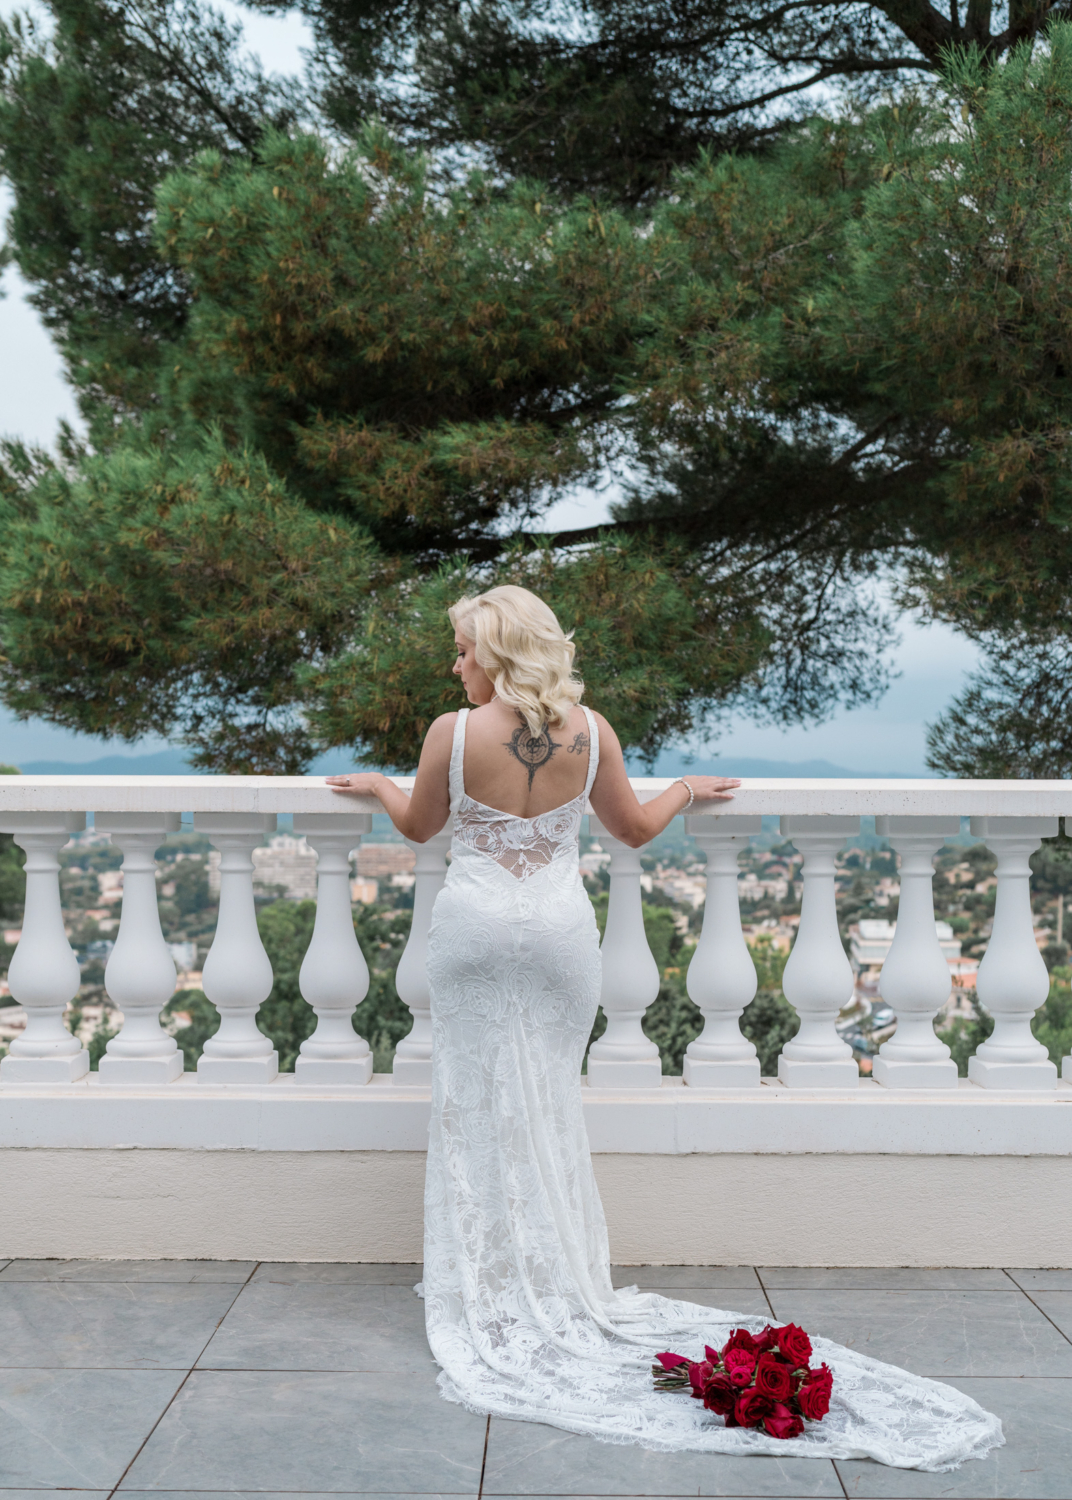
(740, 1364)
(768, 1339)
(814, 1394)
(671, 1361)
(740, 1338)
(782, 1423)
(774, 1378)
(699, 1375)
(753, 1408)
(794, 1344)
(720, 1395)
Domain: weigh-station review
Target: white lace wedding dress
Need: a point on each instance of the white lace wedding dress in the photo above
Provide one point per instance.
(520, 1310)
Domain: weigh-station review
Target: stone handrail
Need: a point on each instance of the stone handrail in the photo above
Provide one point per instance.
(236, 812)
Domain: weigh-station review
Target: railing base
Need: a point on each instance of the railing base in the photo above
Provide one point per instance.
(133, 1072)
(818, 1075)
(228, 1070)
(1032, 1077)
(412, 1072)
(70, 1069)
(644, 1074)
(892, 1074)
(349, 1072)
(700, 1074)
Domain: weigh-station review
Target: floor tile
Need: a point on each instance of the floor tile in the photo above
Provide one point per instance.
(941, 1334)
(1035, 1464)
(731, 1300)
(288, 1326)
(1043, 1281)
(260, 1494)
(660, 1276)
(127, 1270)
(1058, 1307)
(76, 1428)
(527, 1458)
(360, 1274)
(99, 1325)
(882, 1278)
(323, 1431)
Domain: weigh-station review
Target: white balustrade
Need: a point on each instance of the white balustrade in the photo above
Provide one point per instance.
(915, 978)
(623, 1057)
(140, 974)
(818, 979)
(721, 978)
(334, 976)
(237, 813)
(43, 975)
(413, 1055)
(1013, 980)
(238, 974)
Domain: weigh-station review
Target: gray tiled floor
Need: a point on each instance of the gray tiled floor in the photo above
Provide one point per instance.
(189, 1380)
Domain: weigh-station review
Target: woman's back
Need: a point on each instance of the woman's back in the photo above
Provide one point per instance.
(509, 768)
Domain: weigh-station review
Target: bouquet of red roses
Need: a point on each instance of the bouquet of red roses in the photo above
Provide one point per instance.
(755, 1380)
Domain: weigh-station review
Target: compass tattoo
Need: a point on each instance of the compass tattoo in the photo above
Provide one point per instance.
(532, 750)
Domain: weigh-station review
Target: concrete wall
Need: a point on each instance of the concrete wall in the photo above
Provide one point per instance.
(818, 1209)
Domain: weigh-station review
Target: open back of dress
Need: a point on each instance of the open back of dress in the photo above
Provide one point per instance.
(520, 1311)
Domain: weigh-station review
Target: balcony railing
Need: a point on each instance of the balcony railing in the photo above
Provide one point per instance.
(912, 1166)
(236, 813)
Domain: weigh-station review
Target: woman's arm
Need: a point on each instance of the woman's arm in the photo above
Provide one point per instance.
(420, 814)
(615, 803)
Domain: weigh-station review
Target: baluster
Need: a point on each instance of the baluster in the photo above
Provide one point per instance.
(44, 973)
(818, 977)
(413, 1055)
(1013, 980)
(140, 974)
(722, 977)
(334, 976)
(623, 1057)
(915, 976)
(238, 974)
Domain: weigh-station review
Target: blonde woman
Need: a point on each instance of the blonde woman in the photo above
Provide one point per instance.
(519, 1307)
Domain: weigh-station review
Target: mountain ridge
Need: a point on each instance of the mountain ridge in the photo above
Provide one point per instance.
(669, 763)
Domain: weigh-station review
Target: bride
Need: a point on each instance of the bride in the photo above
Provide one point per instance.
(519, 1307)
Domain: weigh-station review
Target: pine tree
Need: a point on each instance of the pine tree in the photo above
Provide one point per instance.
(329, 388)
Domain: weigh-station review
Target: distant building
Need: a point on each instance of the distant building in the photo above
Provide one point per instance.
(375, 861)
(751, 888)
(284, 861)
(365, 891)
(870, 941)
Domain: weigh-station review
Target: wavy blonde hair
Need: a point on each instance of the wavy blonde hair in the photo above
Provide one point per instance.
(524, 651)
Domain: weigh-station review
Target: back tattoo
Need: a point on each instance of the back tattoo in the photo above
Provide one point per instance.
(532, 750)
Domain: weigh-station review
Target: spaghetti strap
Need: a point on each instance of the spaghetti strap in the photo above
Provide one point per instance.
(456, 783)
(593, 750)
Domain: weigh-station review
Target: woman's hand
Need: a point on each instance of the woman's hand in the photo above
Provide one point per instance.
(711, 788)
(361, 784)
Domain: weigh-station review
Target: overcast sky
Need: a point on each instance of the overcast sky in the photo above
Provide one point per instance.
(933, 662)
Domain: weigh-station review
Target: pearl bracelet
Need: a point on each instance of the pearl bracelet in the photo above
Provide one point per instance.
(692, 794)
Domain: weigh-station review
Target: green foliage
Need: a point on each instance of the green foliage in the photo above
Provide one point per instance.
(610, 98)
(286, 928)
(94, 111)
(327, 386)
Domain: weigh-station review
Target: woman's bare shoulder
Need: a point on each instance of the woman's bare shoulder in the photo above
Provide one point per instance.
(607, 736)
(440, 733)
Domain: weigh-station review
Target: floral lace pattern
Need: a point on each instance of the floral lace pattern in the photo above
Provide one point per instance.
(519, 1307)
